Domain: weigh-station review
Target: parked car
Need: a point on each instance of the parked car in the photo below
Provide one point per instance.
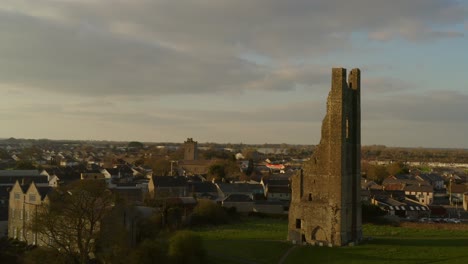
(453, 221)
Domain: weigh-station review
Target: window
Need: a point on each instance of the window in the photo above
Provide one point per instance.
(21, 214)
(310, 197)
(347, 128)
(17, 196)
(32, 197)
(298, 223)
(12, 213)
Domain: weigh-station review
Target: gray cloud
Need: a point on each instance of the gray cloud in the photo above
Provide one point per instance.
(95, 60)
(384, 85)
(102, 48)
(441, 107)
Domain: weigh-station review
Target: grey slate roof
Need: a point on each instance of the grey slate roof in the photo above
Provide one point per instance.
(240, 188)
(203, 187)
(169, 181)
(17, 173)
(10, 180)
(238, 198)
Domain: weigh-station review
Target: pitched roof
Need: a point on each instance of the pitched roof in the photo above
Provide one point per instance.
(277, 180)
(44, 191)
(418, 188)
(203, 187)
(240, 188)
(396, 194)
(238, 198)
(169, 181)
(17, 173)
(278, 189)
(457, 188)
(432, 177)
(10, 180)
(113, 171)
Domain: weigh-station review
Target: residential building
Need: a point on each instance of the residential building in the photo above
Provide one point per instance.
(168, 186)
(456, 192)
(254, 191)
(422, 193)
(24, 203)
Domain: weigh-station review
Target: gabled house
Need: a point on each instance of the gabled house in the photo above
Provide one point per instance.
(398, 182)
(111, 173)
(281, 193)
(423, 193)
(254, 191)
(433, 179)
(9, 177)
(24, 204)
(168, 186)
(456, 192)
(277, 187)
(205, 190)
(368, 185)
(242, 202)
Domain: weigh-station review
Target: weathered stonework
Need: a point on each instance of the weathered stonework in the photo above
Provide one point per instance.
(325, 205)
(190, 149)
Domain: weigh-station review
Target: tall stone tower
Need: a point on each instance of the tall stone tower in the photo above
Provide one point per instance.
(190, 149)
(325, 205)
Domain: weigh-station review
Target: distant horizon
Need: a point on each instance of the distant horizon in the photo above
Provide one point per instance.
(215, 142)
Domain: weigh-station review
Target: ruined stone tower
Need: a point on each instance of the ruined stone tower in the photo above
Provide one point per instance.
(190, 149)
(325, 205)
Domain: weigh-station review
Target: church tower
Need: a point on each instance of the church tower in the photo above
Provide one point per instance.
(325, 204)
(190, 149)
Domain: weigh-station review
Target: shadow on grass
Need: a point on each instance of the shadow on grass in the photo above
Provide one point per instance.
(420, 242)
(359, 255)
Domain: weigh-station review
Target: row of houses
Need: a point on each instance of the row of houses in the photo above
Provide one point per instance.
(22, 191)
(414, 196)
(424, 188)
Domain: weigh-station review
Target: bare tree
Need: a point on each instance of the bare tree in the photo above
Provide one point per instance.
(70, 221)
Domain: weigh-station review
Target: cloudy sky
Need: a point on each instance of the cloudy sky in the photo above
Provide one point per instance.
(250, 71)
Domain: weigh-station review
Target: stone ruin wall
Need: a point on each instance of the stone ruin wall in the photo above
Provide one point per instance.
(325, 205)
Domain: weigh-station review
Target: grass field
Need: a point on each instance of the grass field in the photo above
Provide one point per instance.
(263, 241)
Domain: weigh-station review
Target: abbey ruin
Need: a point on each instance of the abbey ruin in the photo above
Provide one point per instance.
(325, 205)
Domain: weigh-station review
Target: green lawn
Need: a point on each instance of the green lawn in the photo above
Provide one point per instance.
(250, 228)
(263, 241)
(388, 250)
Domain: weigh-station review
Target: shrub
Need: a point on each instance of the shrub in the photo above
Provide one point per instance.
(208, 213)
(149, 251)
(186, 247)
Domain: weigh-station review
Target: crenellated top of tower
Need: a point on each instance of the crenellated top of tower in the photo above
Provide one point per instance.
(354, 79)
(339, 78)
